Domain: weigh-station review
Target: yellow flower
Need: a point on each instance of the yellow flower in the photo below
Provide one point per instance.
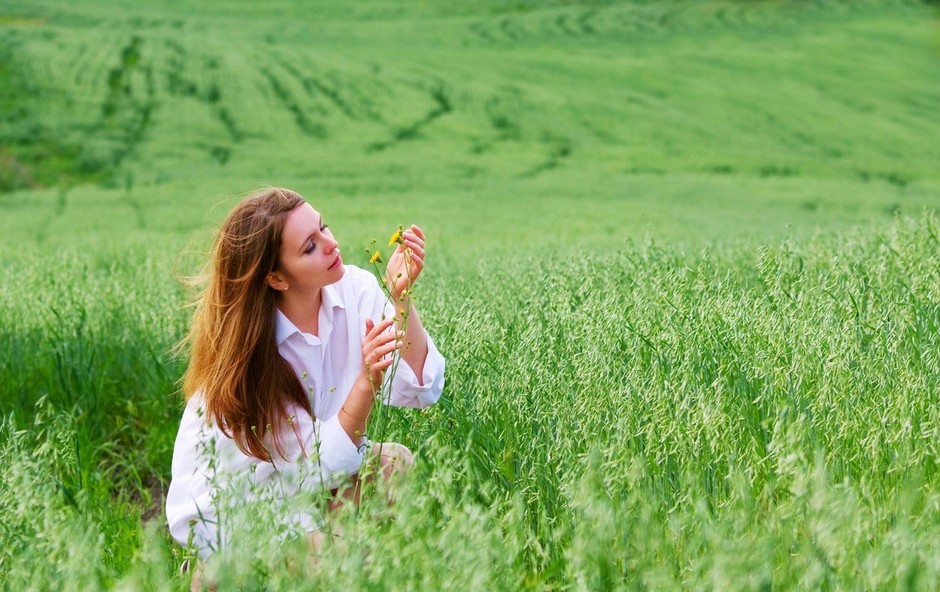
(375, 258)
(396, 238)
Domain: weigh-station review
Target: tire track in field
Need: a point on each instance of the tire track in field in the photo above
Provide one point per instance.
(47, 145)
(210, 94)
(129, 102)
(354, 86)
(624, 22)
(442, 106)
(575, 24)
(316, 87)
(559, 149)
(89, 62)
(131, 97)
(501, 111)
(290, 103)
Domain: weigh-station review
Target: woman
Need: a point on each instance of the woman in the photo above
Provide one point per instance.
(288, 346)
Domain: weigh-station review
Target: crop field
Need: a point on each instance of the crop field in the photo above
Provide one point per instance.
(683, 263)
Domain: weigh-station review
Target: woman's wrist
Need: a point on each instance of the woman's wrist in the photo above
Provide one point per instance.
(360, 399)
(350, 415)
(354, 414)
(362, 388)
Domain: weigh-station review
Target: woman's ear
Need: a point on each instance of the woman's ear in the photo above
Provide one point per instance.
(276, 281)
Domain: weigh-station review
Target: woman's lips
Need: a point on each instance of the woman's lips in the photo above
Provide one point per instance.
(335, 263)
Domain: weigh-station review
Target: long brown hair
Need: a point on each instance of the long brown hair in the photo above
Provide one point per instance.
(234, 359)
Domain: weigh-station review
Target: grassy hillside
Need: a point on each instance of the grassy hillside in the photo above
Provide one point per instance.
(682, 263)
(703, 119)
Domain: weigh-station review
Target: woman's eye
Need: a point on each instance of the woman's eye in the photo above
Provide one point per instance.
(311, 245)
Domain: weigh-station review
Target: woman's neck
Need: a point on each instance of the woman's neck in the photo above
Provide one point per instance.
(302, 309)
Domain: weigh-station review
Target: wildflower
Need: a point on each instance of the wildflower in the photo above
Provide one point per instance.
(375, 258)
(396, 238)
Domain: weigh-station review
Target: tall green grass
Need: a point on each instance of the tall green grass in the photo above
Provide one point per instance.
(737, 418)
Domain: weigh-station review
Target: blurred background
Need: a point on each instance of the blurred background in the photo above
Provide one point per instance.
(521, 123)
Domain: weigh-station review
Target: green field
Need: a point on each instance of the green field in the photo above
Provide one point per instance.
(683, 264)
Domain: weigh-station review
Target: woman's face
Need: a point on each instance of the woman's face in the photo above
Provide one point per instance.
(309, 257)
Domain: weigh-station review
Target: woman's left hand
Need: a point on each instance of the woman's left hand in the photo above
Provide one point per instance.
(406, 263)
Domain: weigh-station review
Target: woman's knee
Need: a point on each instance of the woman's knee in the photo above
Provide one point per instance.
(395, 458)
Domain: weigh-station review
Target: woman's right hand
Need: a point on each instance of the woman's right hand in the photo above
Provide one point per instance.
(377, 346)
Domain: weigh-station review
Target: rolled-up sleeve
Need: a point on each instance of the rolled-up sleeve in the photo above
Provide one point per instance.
(407, 391)
(338, 453)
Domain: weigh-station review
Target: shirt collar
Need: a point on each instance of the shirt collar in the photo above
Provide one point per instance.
(332, 298)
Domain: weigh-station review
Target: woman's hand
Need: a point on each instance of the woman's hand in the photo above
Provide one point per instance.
(406, 263)
(378, 343)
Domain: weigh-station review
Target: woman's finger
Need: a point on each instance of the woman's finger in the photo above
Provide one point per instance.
(381, 352)
(378, 335)
(383, 364)
(413, 237)
(368, 350)
(385, 338)
(415, 248)
(417, 230)
(377, 330)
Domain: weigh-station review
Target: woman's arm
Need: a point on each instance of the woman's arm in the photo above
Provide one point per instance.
(404, 267)
(378, 343)
(415, 351)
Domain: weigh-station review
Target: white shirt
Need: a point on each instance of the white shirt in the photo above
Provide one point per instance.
(205, 460)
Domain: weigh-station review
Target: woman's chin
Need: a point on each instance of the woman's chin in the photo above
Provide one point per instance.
(339, 272)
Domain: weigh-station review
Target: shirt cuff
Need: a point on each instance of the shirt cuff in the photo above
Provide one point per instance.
(407, 392)
(338, 453)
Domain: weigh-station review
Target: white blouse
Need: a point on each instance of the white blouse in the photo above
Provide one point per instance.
(206, 461)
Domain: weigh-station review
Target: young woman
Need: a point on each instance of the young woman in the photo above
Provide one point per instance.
(287, 347)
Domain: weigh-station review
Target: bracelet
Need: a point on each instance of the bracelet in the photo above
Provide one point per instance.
(343, 410)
